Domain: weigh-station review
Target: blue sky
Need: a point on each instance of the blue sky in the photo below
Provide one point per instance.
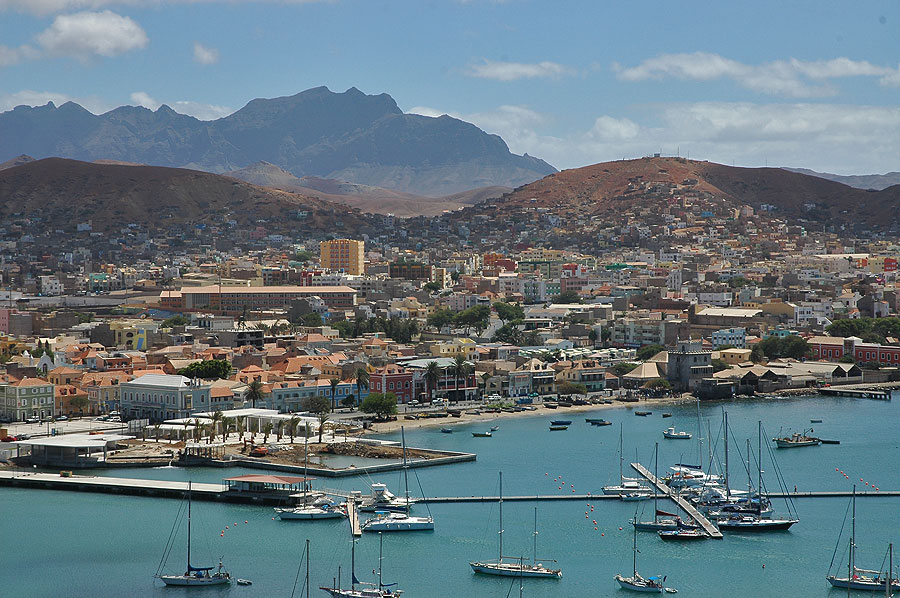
(811, 84)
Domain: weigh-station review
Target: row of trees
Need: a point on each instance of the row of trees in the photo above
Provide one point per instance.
(402, 330)
(870, 330)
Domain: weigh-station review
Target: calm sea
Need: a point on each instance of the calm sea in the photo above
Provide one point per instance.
(70, 544)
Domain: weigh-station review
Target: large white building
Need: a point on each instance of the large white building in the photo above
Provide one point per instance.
(160, 396)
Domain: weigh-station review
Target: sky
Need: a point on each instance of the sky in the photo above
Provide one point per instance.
(786, 83)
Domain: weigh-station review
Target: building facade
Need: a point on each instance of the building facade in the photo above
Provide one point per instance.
(342, 255)
(159, 397)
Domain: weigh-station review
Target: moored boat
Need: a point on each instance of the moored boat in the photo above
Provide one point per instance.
(601, 422)
(560, 422)
(671, 434)
(638, 583)
(446, 430)
(682, 535)
(796, 440)
(481, 434)
(558, 428)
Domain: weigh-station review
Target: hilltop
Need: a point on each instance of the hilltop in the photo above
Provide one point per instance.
(349, 136)
(63, 192)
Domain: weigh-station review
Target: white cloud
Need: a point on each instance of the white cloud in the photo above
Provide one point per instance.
(789, 78)
(205, 55)
(84, 35)
(511, 71)
(195, 109)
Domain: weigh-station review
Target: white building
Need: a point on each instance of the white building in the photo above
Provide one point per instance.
(160, 396)
(736, 337)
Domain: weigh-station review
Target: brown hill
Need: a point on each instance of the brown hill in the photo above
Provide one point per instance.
(367, 198)
(617, 189)
(63, 192)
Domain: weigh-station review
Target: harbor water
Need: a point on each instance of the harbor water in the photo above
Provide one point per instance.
(64, 544)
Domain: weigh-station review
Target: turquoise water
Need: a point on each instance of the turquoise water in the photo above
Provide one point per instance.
(72, 544)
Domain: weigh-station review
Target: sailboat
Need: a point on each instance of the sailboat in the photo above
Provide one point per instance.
(320, 508)
(626, 485)
(636, 582)
(743, 521)
(864, 579)
(369, 590)
(393, 521)
(668, 521)
(513, 569)
(193, 576)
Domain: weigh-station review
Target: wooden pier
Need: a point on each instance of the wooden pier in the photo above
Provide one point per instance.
(353, 516)
(710, 530)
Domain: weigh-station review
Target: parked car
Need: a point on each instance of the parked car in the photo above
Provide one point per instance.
(115, 419)
(413, 403)
(33, 420)
(62, 418)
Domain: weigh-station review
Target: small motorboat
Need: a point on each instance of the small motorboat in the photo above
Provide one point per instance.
(244, 582)
(667, 415)
(643, 413)
(591, 420)
(494, 428)
(681, 535)
(558, 428)
(601, 422)
(635, 496)
(561, 422)
(671, 434)
(815, 421)
(481, 434)
(550, 405)
(447, 430)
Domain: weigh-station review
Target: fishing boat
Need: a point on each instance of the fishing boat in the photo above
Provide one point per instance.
(601, 422)
(494, 428)
(815, 421)
(863, 579)
(481, 434)
(558, 428)
(636, 582)
(382, 499)
(402, 521)
(643, 413)
(446, 431)
(514, 568)
(626, 485)
(321, 507)
(671, 434)
(635, 496)
(368, 590)
(796, 440)
(561, 422)
(667, 415)
(193, 576)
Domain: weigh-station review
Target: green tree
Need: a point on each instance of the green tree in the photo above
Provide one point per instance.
(311, 319)
(292, 426)
(791, 346)
(334, 382)
(440, 318)
(567, 297)
(210, 369)
(648, 351)
(345, 328)
(432, 376)
(267, 429)
(460, 369)
(79, 402)
(303, 256)
(478, 317)
(362, 381)
(255, 392)
(620, 369)
(509, 334)
(847, 359)
(216, 419)
(570, 388)
(380, 405)
(320, 407)
(657, 385)
(592, 336)
(227, 424)
(349, 401)
(718, 365)
(432, 287)
(509, 311)
(173, 321)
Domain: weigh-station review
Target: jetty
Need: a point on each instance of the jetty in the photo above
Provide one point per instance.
(858, 391)
(708, 528)
(353, 517)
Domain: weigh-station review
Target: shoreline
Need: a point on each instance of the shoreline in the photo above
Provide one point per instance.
(380, 428)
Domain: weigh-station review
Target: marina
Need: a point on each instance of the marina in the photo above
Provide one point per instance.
(463, 497)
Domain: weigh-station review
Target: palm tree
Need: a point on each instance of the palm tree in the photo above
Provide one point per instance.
(197, 430)
(186, 423)
(292, 423)
(432, 375)
(227, 422)
(241, 428)
(362, 381)
(279, 426)
(156, 431)
(323, 417)
(459, 369)
(216, 420)
(255, 392)
(334, 384)
(267, 429)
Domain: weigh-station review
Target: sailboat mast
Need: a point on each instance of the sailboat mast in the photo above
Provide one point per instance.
(380, 553)
(501, 517)
(353, 564)
(749, 475)
(305, 467)
(307, 566)
(655, 477)
(759, 458)
(189, 531)
(890, 575)
(699, 437)
(621, 456)
(634, 554)
(727, 486)
(853, 536)
(405, 468)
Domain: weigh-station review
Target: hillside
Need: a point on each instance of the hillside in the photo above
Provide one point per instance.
(860, 181)
(349, 136)
(365, 197)
(621, 190)
(65, 192)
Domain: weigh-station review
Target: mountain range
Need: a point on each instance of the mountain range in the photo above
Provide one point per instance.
(860, 181)
(349, 136)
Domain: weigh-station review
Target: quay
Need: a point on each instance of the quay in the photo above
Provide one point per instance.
(353, 516)
(710, 530)
(859, 391)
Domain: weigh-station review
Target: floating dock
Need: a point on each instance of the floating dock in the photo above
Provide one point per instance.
(711, 530)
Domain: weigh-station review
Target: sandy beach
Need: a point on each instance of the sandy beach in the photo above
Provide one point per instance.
(541, 411)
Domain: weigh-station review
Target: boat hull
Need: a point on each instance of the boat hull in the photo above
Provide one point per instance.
(361, 593)
(308, 514)
(678, 436)
(639, 585)
(862, 584)
(400, 525)
(189, 580)
(680, 536)
(763, 525)
(515, 570)
(655, 526)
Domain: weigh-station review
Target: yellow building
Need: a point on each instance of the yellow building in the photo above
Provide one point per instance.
(342, 255)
